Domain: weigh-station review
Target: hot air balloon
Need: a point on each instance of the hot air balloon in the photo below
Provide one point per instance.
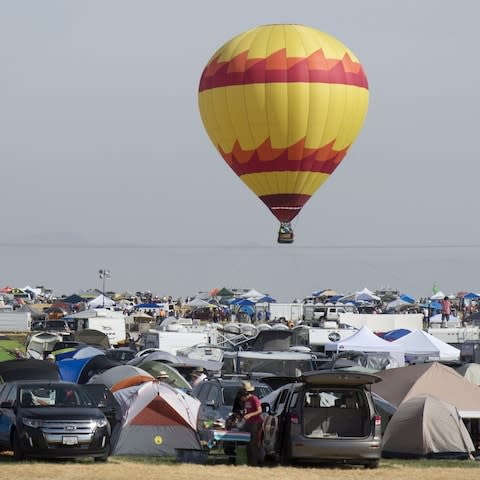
(283, 104)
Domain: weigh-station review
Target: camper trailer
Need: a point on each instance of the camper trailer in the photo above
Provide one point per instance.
(110, 322)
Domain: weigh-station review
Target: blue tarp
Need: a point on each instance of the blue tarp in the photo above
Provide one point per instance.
(267, 299)
(245, 302)
(248, 309)
(407, 299)
(396, 334)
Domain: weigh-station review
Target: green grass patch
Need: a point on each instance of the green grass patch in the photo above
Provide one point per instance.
(7, 349)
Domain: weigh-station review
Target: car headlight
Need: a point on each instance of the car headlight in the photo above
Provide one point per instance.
(32, 422)
(101, 422)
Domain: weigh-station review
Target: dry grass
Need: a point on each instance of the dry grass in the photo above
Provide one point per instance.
(123, 469)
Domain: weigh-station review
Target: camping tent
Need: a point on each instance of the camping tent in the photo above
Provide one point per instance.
(426, 426)
(93, 337)
(157, 419)
(80, 370)
(400, 384)
(366, 341)
(470, 372)
(422, 343)
(175, 378)
(121, 373)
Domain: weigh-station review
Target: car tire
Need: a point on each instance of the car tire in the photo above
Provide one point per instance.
(285, 457)
(104, 457)
(372, 464)
(18, 454)
(101, 459)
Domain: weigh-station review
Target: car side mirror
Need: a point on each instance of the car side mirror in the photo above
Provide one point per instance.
(210, 403)
(266, 408)
(6, 404)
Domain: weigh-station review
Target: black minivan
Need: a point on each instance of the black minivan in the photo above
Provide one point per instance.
(52, 419)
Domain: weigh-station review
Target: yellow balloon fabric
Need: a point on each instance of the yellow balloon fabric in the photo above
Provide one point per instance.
(283, 104)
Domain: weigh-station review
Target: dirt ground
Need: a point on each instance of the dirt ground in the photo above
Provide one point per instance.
(122, 469)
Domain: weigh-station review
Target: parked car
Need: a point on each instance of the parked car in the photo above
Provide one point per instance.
(103, 397)
(121, 354)
(323, 417)
(52, 419)
(217, 395)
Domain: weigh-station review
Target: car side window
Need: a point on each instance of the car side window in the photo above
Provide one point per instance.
(202, 392)
(293, 401)
(3, 388)
(11, 394)
(213, 395)
(280, 401)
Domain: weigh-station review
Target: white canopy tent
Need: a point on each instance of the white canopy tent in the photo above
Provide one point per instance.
(366, 341)
(198, 303)
(366, 295)
(101, 301)
(253, 294)
(422, 343)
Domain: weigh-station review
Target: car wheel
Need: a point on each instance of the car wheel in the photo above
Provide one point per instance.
(285, 457)
(104, 457)
(101, 459)
(372, 464)
(18, 454)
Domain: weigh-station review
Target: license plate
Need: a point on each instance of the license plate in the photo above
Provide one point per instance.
(70, 440)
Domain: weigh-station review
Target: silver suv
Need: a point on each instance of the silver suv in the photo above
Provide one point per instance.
(323, 417)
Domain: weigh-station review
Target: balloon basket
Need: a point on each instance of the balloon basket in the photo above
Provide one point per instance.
(285, 234)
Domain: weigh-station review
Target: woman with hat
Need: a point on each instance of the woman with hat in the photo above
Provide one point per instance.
(253, 421)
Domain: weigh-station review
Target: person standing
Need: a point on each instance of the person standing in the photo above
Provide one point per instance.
(446, 310)
(232, 422)
(253, 422)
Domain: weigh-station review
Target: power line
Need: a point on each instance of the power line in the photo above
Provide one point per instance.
(377, 246)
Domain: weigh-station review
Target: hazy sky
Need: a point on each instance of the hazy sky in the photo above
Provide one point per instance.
(105, 162)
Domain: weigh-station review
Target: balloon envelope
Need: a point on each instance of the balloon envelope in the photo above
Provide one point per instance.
(283, 104)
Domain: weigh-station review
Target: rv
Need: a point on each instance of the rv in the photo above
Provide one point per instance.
(318, 337)
(457, 335)
(378, 322)
(178, 336)
(11, 321)
(110, 322)
(290, 312)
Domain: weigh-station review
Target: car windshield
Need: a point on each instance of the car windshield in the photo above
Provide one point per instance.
(53, 396)
(231, 391)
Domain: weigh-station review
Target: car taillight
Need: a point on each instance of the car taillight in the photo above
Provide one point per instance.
(293, 418)
(378, 420)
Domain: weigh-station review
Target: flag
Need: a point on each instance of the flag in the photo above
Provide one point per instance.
(435, 288)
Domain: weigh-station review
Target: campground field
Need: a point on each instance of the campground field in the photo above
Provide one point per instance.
(120, 468)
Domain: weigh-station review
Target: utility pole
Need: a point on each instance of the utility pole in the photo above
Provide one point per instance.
(103, 274)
